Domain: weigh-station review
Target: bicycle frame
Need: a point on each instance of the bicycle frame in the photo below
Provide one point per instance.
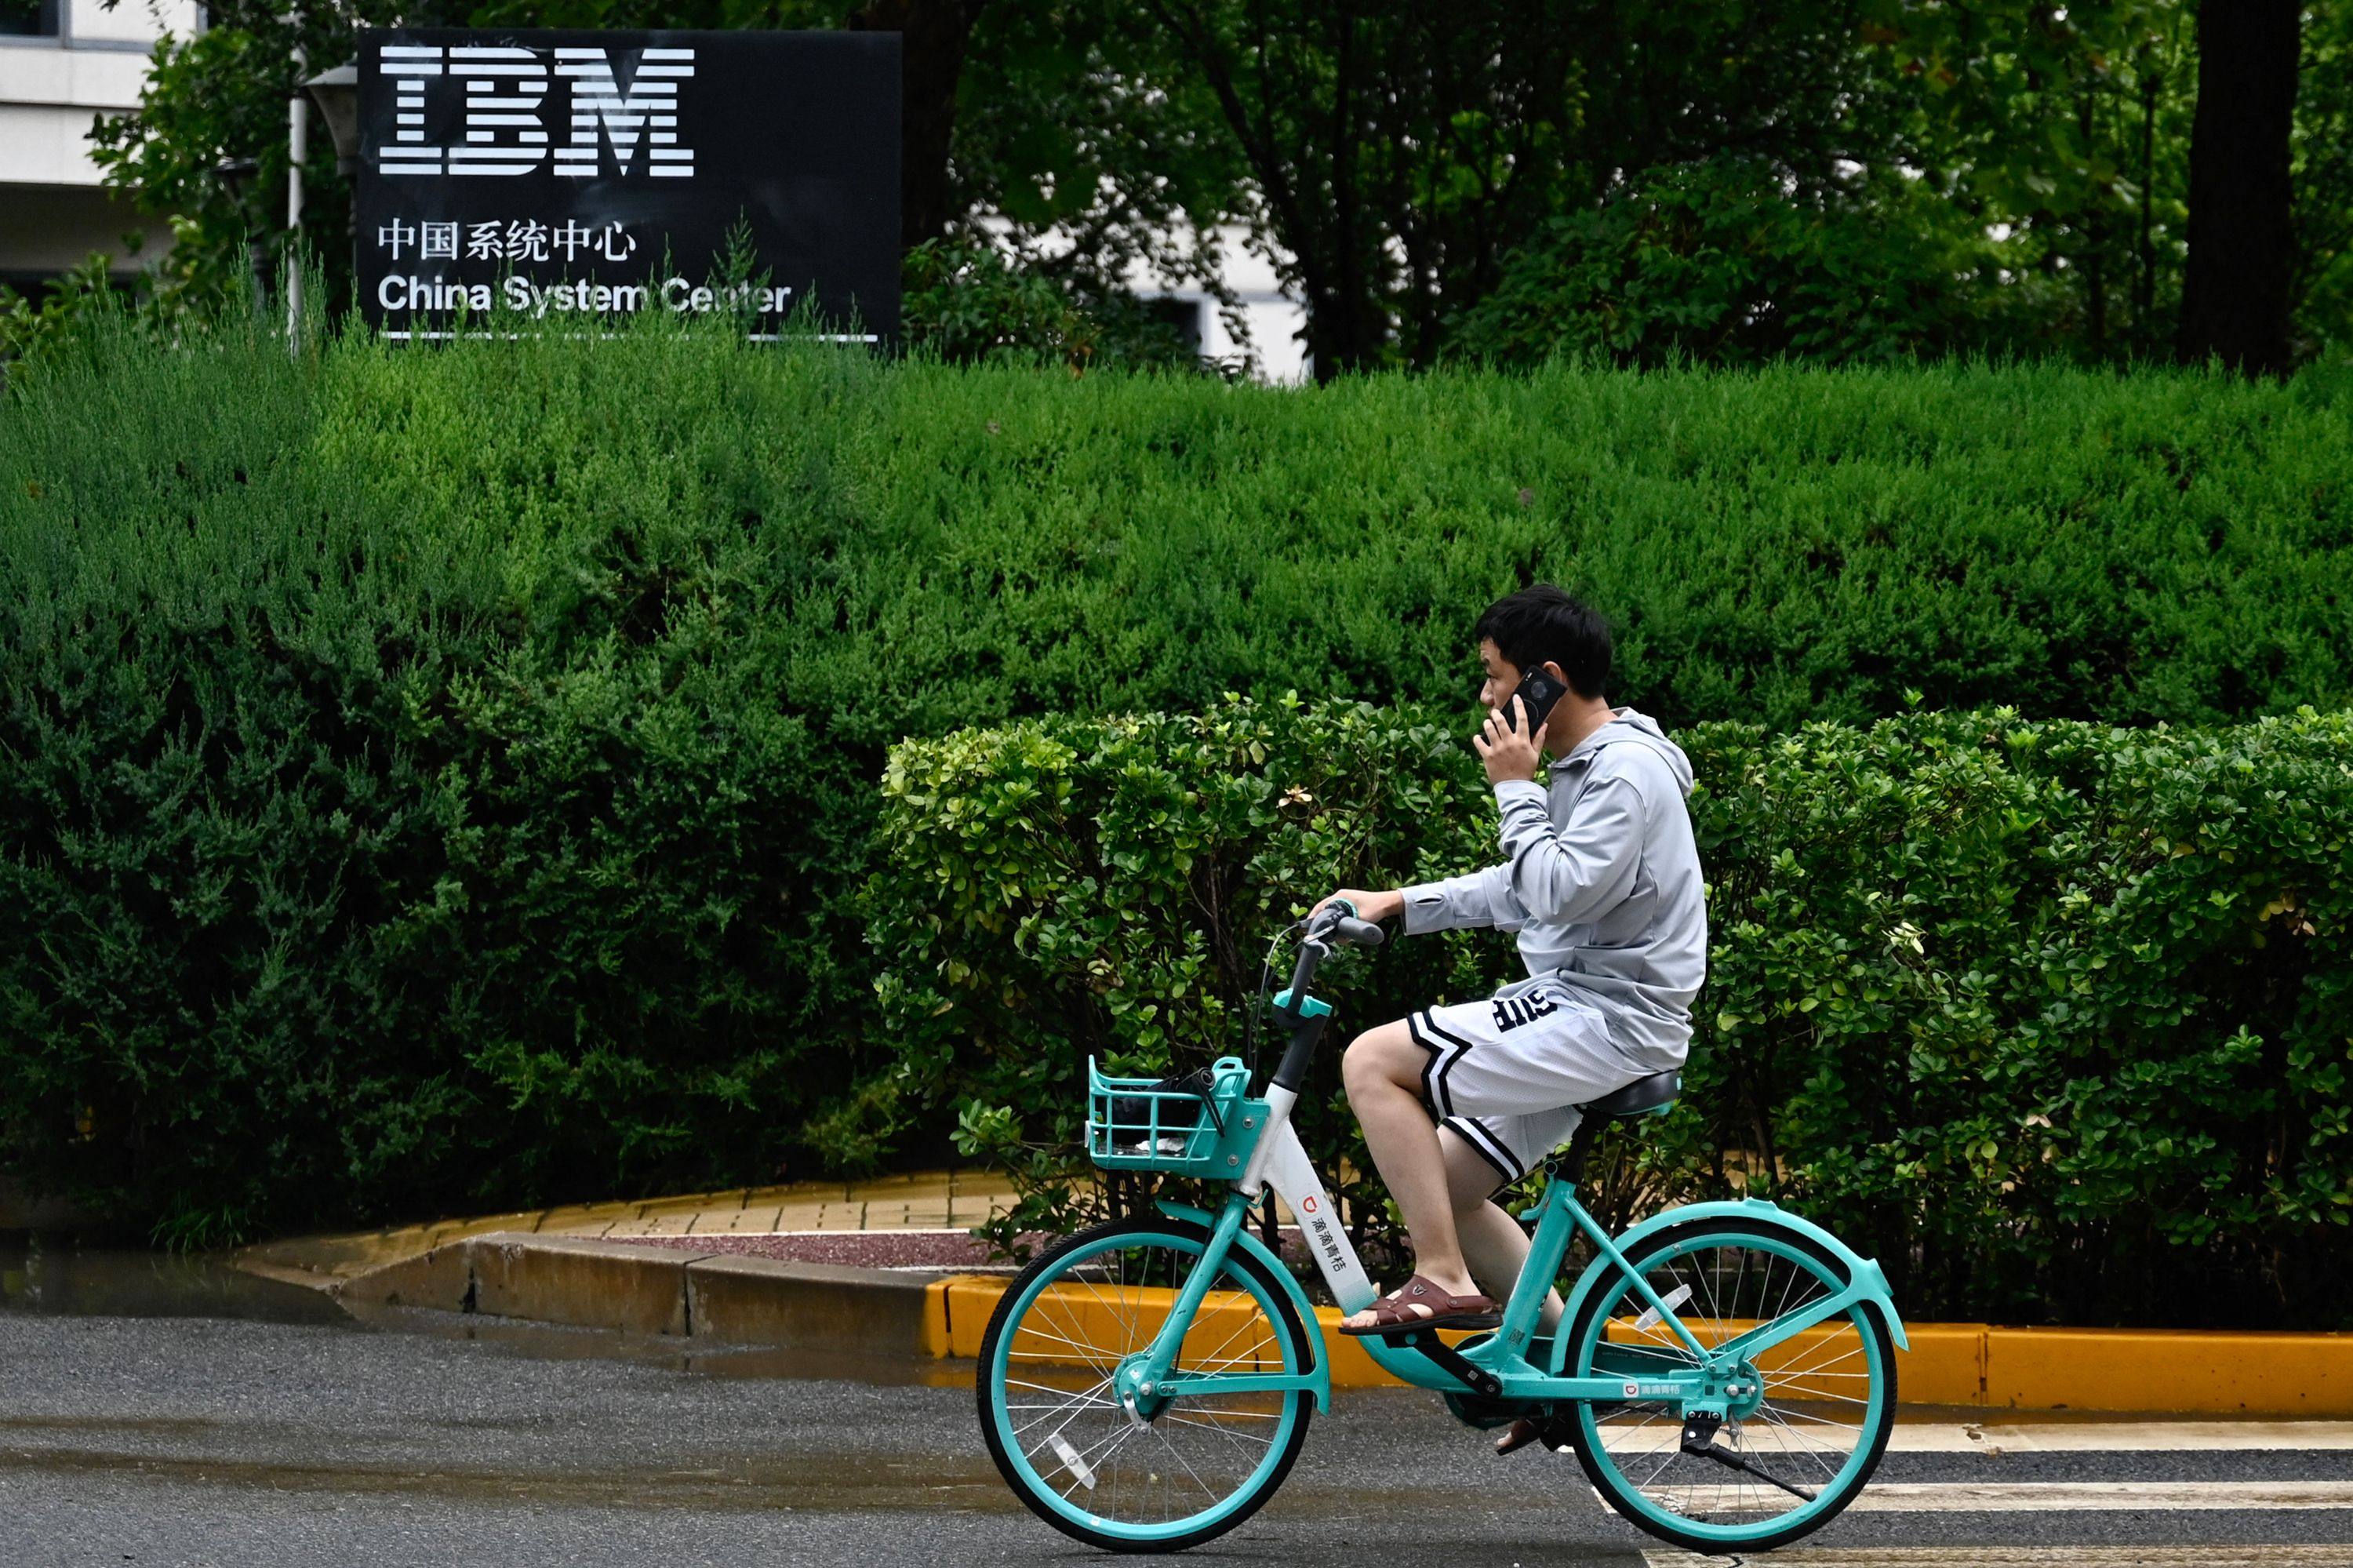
(1504, 1355)
(1279, 1160)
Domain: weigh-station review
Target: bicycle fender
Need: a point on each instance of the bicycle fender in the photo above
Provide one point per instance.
(1864, 1272)
(1321, 1369)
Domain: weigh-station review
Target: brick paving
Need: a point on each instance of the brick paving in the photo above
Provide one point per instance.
(934, 1200)
(935, 1250)
(939, 1251)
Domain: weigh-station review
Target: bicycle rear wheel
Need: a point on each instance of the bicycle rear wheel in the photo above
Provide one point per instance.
(1807, 1435)
(1165, 1474)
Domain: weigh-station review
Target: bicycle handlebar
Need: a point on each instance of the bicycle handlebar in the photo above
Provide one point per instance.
(1329, 927)
(1336, 924)
(1353, 932)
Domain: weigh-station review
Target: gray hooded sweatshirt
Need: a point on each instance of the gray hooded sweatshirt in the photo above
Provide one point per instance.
(1601, 881)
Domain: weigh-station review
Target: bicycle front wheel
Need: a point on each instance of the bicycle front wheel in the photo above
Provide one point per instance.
(1159, 1475)
(1816, 1408)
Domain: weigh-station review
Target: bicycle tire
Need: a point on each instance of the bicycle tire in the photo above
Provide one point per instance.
(1004, 1436)
(1871, 1340)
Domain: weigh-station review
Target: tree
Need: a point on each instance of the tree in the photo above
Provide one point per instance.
(220, 95)
(1400, 151)
(2063, 132)
(1086, 151)
(2235, 295)
(2324, 186)
(1399, 160)
(1716, 263)
(932, 34)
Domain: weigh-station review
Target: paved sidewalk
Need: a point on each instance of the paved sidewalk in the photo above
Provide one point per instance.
(924, 1200)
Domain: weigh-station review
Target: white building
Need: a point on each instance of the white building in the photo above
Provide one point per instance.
(1272, 318)
(1272, 348)
(62, 64)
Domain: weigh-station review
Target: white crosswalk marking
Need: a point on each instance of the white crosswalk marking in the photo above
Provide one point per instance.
(2201, 1556)
(2110, 1497)
(2121, 1436)
(2047, 1497)
(2073, 1437)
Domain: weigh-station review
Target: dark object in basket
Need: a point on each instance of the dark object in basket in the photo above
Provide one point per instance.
(1131, 1126)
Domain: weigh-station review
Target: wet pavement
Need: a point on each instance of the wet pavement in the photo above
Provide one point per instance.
(43, 1272)
(218, 1439)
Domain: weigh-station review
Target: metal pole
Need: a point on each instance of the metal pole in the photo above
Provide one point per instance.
(298, 135)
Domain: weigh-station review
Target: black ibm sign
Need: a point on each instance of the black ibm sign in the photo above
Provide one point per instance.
(566, 175)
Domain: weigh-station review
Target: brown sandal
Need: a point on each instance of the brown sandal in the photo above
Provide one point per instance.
(1417, 1304)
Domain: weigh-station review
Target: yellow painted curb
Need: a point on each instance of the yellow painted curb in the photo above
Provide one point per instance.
(1946, 1364)
(1968, 1364)
(2307, 1375)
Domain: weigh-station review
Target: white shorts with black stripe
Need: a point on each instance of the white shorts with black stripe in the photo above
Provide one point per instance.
(1503, 1073)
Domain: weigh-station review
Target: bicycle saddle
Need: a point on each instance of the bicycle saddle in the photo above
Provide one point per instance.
(1641, 1097)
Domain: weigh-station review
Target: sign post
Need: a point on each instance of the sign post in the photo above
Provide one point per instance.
(568, 176)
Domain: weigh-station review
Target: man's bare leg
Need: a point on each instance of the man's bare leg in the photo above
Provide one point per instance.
(1383, 1074)
(1493, 1243)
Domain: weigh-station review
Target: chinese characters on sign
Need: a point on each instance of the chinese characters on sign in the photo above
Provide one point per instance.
(608, 172)
(523, 240)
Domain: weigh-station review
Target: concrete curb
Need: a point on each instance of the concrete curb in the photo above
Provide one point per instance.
(719, 1298)
(729, 1298)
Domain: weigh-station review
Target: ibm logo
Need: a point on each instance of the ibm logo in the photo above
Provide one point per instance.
(504, 89)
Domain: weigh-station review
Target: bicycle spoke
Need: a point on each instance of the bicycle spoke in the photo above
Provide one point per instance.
(1084, 1402)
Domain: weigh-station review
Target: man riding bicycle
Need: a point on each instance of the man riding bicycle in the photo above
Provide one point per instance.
(1146, 1383)
(1600, 878)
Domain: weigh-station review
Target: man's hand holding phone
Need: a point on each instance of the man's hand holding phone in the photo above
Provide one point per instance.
(1506, 743)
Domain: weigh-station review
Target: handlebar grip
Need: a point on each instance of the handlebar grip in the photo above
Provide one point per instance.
(1338, 919)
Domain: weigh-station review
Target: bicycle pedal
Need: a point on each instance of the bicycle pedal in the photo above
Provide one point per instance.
(1478, 1378)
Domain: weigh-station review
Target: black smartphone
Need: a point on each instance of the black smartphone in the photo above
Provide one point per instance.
(1538, 692)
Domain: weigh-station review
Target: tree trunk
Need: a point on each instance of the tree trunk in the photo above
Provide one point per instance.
(2234, 292)
(931, 39)
(2095, 238)
(2144, 298)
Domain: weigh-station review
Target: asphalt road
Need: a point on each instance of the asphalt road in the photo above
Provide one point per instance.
(203, 1441)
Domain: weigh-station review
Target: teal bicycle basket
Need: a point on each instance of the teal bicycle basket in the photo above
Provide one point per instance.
(1207, 1126)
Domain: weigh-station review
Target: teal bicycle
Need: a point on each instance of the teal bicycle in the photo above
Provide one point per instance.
(1723, 1372)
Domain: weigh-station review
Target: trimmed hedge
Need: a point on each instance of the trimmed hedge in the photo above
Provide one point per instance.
(443, 778)
(2049, 1017)
(357, 865)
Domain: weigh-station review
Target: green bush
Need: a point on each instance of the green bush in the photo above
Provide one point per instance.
(446, 777)
(364, 855)
(2049, 1017)
(1074, 888)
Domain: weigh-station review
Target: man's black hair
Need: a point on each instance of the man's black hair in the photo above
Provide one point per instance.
(1541, 625)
